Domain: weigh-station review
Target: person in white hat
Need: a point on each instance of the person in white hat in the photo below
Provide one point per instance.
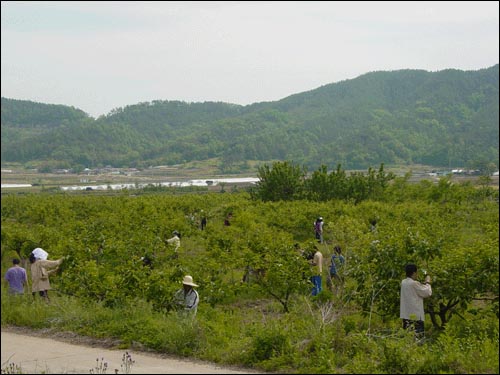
(40, 253)
(318, 229)
(40, 271)
(187, 298)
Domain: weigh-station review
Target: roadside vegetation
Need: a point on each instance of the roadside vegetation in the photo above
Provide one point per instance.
(256, 310)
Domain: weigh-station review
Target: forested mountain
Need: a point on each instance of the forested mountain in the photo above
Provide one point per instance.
(448, 118)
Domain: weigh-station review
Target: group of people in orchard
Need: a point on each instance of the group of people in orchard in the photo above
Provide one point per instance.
(412, 292)
(41, 268)
(186, 299)
(334, 278)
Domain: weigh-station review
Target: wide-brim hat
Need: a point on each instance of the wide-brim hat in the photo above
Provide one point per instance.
(188, 280)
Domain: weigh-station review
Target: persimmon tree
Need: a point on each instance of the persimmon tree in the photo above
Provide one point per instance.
(434, 241)
(451, 234)
(286, 273)
(281, 181)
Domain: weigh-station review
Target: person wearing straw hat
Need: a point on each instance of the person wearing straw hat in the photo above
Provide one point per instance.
(187, 298)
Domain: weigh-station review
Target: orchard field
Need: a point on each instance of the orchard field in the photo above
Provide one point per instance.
(268, 320)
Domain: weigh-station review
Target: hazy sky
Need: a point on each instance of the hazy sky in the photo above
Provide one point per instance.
(97, 56)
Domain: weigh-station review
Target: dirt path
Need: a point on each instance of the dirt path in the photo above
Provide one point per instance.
(38, 355)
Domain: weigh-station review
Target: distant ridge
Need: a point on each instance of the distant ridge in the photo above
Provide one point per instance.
(448, 118)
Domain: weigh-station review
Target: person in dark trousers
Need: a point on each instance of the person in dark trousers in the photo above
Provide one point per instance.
(412, 300)
(318, 229)
(40, 271)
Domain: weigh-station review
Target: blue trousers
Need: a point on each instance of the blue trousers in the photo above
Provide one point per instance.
(316, 280)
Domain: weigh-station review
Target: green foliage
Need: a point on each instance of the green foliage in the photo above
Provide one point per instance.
(268, 344)
(31, 114)
(286, 272)
(284, 181)
(15, 311)
(439, 242)
(447, 118)
(269, 321)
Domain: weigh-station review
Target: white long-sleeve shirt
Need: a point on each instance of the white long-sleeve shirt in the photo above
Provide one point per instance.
(175, 241)
(318, 262)
(412, 299)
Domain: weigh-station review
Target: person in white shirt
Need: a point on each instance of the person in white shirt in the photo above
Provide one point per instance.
(412, 300)
(175, 241)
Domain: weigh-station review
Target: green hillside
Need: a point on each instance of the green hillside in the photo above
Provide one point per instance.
(448, 118)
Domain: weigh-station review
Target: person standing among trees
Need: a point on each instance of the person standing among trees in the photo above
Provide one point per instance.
(318, 229)
(337, 261)
(40, 271)
(317, 263)
(412, 300)
(16, 277)
(175, 241)
(203, 222)
(187, 298)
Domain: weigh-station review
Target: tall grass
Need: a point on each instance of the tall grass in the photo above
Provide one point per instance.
(315, 337)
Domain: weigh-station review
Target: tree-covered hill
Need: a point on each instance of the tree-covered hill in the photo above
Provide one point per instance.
(448, 118)
(23, 113)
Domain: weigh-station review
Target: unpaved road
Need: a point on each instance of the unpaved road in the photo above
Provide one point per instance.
(39, 355)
